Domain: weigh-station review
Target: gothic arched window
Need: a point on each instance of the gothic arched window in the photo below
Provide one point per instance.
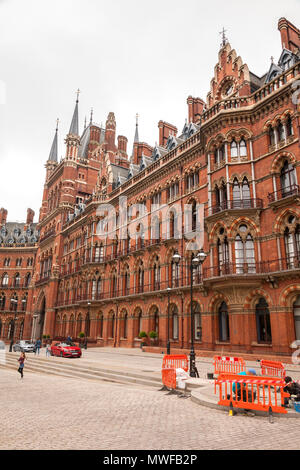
(263, 322)
(224, 334)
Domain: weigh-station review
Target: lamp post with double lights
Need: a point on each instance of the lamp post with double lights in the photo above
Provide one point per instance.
(12, 333)
(195, 262)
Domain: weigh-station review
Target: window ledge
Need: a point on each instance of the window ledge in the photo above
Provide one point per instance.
(223, 342)
(261, 345)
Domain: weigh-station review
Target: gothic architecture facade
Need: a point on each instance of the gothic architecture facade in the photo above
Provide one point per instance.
(235, 165)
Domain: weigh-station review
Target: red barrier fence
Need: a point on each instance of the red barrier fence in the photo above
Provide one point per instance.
(272, 369)
(233, 365)
(176, 362)
(169, 366)
(252, 393)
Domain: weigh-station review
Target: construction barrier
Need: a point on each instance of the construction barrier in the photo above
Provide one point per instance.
(272, 369)
(252, 393)
(169, 378)
(232, 365)
(169, 366)
(176, 362)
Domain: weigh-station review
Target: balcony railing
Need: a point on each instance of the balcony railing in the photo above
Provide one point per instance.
(283, 193)
(235, 205)
(263, 267)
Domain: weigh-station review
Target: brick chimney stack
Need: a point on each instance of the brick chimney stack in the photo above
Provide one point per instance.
(290, 35)
(110, 132)
(3, 216)
(30, 216)
(196, 106)
(122, 143)
(165, 130)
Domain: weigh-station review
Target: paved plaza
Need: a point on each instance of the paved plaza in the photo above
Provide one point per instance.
(50, 412)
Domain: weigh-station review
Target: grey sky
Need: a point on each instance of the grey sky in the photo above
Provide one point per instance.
(126, 57)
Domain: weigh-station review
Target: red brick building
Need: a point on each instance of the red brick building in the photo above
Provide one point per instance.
(238, 155)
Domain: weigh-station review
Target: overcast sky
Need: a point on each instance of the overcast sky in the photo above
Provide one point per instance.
(125, 56)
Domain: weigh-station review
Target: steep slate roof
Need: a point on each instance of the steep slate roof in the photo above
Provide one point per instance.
(74, 124)
(53, 151)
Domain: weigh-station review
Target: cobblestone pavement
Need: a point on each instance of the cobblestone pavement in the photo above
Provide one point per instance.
(48, 412)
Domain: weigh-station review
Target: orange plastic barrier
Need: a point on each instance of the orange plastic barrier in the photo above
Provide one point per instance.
(272, 369)
(233, 365)
(176, 362)
(169, 378)
(169, 366)
(252, 393)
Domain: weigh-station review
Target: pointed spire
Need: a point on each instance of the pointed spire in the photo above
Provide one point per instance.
(136, 137)
(91, 118)
(53, 151)
(74, 123)
(85, 123)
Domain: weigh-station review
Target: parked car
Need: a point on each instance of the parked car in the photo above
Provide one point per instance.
(24, 346)
(65, 350)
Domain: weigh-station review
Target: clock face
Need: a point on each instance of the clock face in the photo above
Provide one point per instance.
(228, 90)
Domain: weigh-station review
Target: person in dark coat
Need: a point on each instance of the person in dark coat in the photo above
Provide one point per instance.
(293, 388)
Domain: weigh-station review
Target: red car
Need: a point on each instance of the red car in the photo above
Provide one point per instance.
(65, 350)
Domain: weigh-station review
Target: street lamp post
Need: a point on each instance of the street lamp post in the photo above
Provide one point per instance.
(168, 328)
(195, 262)
(15, 302)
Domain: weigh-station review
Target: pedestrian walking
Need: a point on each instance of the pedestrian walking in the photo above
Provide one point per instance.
(21, 361)
(48, 348)
(37, 347)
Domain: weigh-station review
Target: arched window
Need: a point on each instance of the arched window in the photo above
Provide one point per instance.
(100, 326)
(156, 321)
(79, 325)
(234, 149)
(175, 323)
(94, 289)
(17, 280)
(113, 326)
(127, 282)
(21, 330)
(263, 322)
(281, 132)
(296, 318)
(125, 325)
(243, 148)
(236, 193)
(244, 253)
(197, 322)
(271, 136)
(140, 321)
(292, 246)
(289, 126)
(223, 323)
(140, 278)
(287, 179)
(156, 274)
(2, 301)
(246, 196)
(223, 256)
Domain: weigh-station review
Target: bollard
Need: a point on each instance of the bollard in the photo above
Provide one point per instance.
(230, 410)
(271, 421)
